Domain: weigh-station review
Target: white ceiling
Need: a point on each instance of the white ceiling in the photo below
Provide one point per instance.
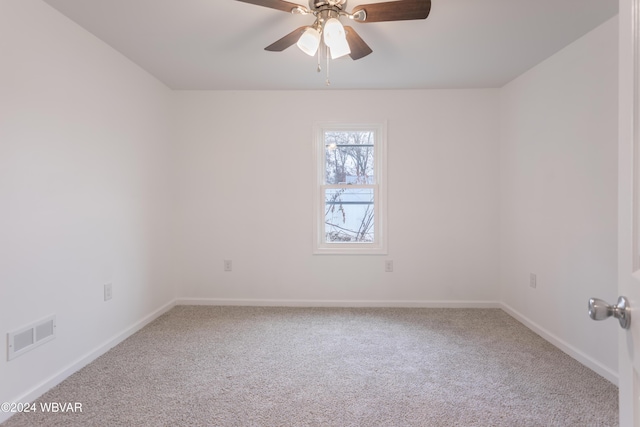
(219, 44)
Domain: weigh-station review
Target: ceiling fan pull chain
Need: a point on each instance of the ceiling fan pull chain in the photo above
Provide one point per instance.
(326, 54)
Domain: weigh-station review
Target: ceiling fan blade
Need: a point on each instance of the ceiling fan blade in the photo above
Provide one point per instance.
(359, 49)
(285, 6)
(400, 10)
(288, 40)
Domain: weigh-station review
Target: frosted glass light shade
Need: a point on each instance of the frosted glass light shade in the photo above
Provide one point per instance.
(309, 41)
(333, 32)
(340, 48)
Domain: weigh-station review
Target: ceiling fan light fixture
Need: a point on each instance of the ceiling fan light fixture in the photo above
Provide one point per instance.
(333, 32)
(340, 49)
(309, 41)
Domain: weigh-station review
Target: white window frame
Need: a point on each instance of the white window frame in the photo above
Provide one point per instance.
(379, 245)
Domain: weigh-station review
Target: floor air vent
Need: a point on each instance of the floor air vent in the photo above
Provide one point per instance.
(30, 337)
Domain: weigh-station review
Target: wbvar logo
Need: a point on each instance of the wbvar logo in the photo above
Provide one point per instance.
(60, 407)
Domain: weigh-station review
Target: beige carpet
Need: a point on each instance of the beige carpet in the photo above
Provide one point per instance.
(241, 366)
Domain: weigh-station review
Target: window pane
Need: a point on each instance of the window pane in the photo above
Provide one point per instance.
(349, 157)
(349, 215)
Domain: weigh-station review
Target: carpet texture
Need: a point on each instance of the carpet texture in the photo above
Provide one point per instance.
(253, 366)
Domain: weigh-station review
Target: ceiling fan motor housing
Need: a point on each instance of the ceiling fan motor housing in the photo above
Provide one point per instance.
(317, 4)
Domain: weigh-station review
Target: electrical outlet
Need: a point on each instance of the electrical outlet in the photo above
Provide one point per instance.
(108, 291)
(228, 265)
(388, 266)
(533, 280)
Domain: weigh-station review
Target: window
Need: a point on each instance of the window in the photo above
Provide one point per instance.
(350, 166)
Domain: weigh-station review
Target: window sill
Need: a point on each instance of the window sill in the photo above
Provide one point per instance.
(350, 250)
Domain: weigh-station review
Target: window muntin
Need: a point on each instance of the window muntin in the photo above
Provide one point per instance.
(349, 208)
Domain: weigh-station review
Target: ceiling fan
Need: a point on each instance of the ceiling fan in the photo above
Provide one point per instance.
(328, 32)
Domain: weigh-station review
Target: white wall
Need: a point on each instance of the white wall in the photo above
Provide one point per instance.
(84, 191)
(558, 175)
(245, 163)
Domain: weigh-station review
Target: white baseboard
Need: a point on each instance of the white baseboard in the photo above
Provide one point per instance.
(336, 303)
(564, 346)
(65, 373)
